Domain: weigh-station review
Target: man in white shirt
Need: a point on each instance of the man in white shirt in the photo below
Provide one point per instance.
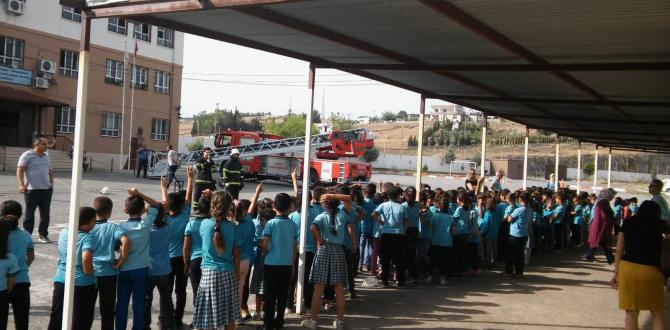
(655, 189)
(173, 164)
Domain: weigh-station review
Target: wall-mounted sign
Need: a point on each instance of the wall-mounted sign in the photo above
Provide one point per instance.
(16, 76)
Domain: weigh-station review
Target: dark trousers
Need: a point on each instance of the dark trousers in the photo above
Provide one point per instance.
(410, 253)
(472, 251)
(461, 260)
(442, 259)
(234, 190)
(20, 300)
(606, 249)
(171, 175)
(245, 291)
(38, 198)
(179, 281)
(276, 280)
(195, 273)
(576, 234)
(84, 304)
(559, 236)
(503, 240)
(4, 309)
(143, 164)
(107, 304)
(166, 315)
(131, 283)
(308, 288)
(515, 257)
(352, 267)
(393, 251)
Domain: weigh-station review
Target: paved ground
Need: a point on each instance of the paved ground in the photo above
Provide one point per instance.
(559, 292)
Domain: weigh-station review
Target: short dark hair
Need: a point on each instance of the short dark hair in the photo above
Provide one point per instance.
(103, 206)
(86, 216)
(11, 207)
(370, 189)
(134, 205)
(204, 205)
(282, 202)
(266, 214)
(175, 202)
(393, 193)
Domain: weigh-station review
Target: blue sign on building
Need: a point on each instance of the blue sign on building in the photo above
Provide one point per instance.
(16, 76)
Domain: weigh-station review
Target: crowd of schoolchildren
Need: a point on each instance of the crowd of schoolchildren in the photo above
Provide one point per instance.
(229, 249)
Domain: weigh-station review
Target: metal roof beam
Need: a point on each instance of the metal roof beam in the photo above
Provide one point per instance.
(560, 101)
(594, 120)
(637, 66)
(136, 8)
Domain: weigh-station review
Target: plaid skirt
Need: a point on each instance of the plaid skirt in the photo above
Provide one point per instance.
(329, 266)
(256, 285)
(218, 301)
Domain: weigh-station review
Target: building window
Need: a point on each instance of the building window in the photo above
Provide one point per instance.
(162, 84)
(140, 77)
(165, 36)
(114, 72)
(118, 25)
(69, 63)
(70, 13)
(65, 120)
(11, 52)
(159, 129)
(111, 121)
(142, 31)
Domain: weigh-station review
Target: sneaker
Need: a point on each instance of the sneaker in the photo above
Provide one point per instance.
(338, 324)
(44, 239)
(308, 324)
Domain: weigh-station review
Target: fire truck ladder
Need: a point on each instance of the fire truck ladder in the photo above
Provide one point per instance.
(270, 147)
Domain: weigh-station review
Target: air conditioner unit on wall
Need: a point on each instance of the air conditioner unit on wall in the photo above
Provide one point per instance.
(41, 83)
(16, 7)
(46, 66)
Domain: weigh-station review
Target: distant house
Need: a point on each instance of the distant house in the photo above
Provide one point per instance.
(452, 112)
(412, 116)
(323, 128)
(362, 119)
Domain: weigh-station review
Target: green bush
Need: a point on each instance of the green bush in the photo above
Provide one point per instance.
(370, 155)
(589, 168)
(424, 168)
(196, 145)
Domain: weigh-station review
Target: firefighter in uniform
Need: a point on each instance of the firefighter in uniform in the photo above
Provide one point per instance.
(203, 179)
(231, 172)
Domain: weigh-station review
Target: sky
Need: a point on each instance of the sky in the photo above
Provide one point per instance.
(233, 76)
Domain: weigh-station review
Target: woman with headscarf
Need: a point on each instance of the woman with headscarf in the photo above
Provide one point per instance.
(600, 230)
(637, 275)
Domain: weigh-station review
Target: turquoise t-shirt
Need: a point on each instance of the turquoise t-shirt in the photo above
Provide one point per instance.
(158, 250)
(20, 243)
(9, 267)
(425, 232)
(322, 223)
(412, 214)
(353, 215)
(367, 223)
(210, 258)
(282, 234)
(177, 224)
(487, 226)
(521, 217)
(441, 223)
(559, 211)
(461, 217)
(296, 218)
(246, 232)
(85, 242)
(579, 216)
(106, 236)
(192, 230)
(137, 231)
(394, 216)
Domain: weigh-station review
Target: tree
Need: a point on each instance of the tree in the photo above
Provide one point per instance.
(450, 155)
(424, 168)
(316, 116)
(412, 141)
(589, 168)
(211, 123)
(292, 126)
(340, 122)
(370, 155)
(402, 115)
(196, 145)
(388, 116)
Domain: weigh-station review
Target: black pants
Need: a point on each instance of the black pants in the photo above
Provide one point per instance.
(20, 300)
(195, 273)
(515, 257)
(461, 261)
(245, 291)
(4, 309)
(276, 280)
(166, 315)
(234, 190)
(199, 188)
(38, 198)
(308, 288)
(179, 281)
(172, 174)
(410, 253)
(351, 270)
(107, 304)
(393, 251)
(143, 164)
(606, 249)
(442, 259)
(576, 234)
(84, 304)
(472, 251)
(503, 240)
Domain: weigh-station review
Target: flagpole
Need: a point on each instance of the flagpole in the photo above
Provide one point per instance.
(123, 105)
(132, 105)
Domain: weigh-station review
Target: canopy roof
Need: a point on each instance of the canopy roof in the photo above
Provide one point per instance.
(16, 95)
(597, 70)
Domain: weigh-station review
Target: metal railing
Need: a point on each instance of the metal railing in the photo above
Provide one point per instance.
(62, 143)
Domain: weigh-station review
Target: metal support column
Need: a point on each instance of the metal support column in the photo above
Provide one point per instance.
(77, 159)
(595, 170)
(484, 127)
(525, 160)
(579, 166)
(609, 167)
(305, 188)
(419, 154)
(558, 144)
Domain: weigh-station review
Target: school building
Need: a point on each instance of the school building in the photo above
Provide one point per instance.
(39, 43)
